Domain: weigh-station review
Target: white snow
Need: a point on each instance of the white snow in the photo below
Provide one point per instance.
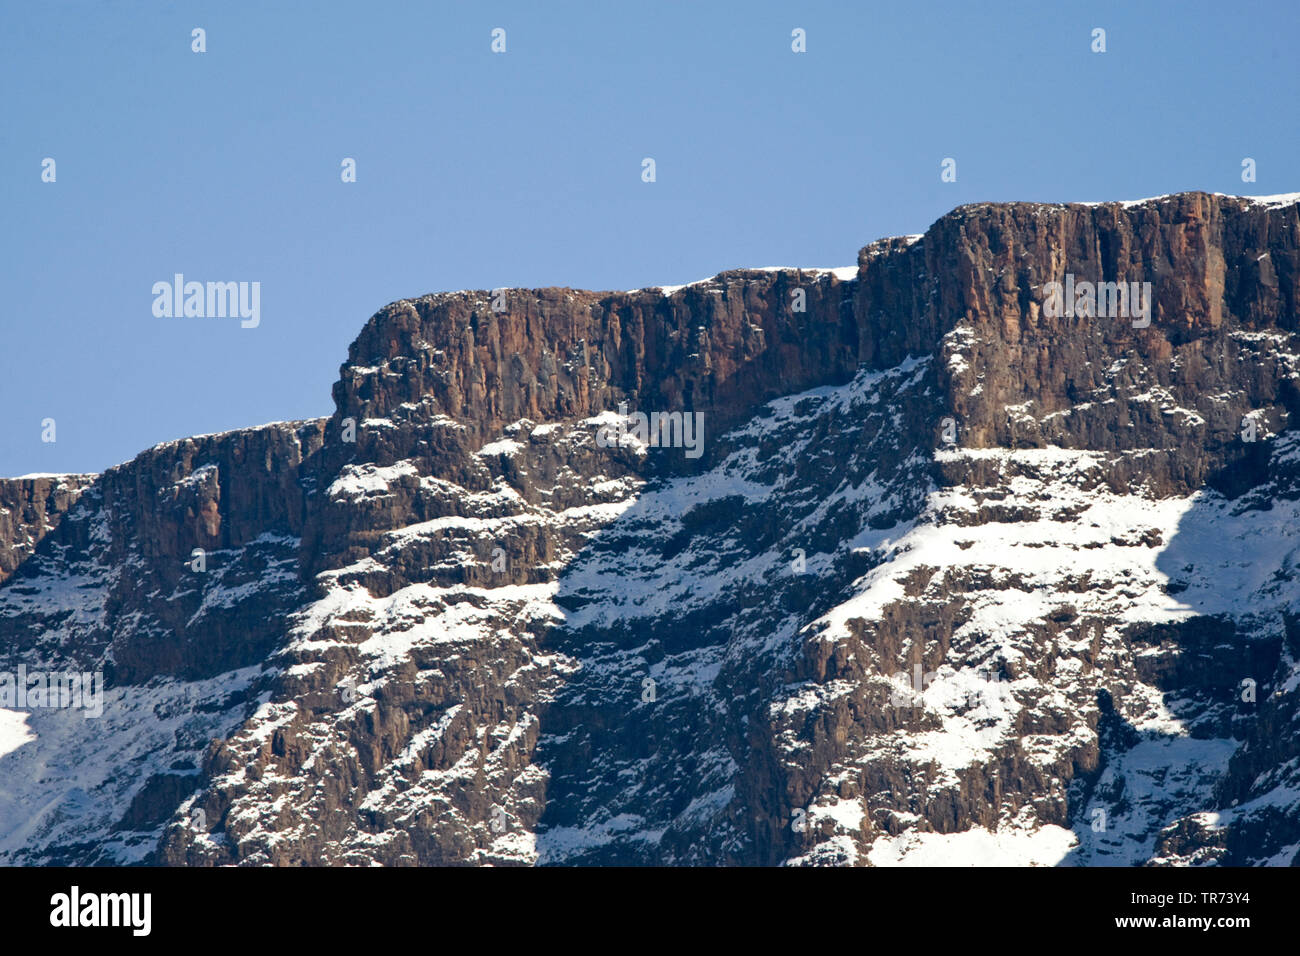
(14, 731)
(357, 481)
(1272, 202)
(1043, 846)
(843, 273)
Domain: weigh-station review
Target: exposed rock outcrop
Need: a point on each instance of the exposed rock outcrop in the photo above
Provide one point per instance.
(30, 508)
(447, 625)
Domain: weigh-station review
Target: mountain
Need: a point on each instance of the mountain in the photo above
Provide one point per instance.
(918, 562)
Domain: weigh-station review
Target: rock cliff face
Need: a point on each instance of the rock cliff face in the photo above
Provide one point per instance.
(956, 577)
(30, 508)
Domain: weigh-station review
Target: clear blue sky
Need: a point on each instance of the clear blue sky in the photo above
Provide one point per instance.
(478, 170)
